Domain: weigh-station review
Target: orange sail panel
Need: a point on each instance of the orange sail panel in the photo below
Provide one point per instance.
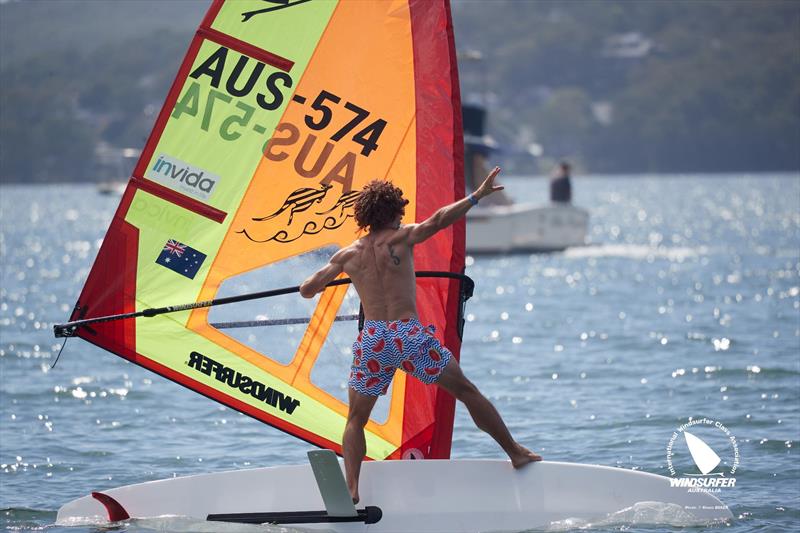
(279, 114)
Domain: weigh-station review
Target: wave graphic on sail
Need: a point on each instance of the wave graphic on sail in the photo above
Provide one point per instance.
(276, 119)
(704, 457)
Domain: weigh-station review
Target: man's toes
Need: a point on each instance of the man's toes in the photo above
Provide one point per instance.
(525, 456)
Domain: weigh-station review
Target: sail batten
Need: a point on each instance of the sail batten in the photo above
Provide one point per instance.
(245, 48)
(276, 119)
(274, 322)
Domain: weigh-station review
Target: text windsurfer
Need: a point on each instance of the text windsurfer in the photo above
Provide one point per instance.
(381, 266)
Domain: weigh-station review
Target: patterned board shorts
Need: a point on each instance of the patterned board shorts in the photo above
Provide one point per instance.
(383, 347)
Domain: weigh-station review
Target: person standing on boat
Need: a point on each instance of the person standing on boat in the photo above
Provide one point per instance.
(560, 186)
(381, 266)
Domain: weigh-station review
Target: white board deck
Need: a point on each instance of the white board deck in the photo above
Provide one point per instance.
(420, 496)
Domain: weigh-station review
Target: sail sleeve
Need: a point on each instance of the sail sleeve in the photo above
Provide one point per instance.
(279, 114)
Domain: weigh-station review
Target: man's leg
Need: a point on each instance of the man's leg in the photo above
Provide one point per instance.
(354, 445)
(483, 413)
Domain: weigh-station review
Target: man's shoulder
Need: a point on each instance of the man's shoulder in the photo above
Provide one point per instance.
(343, 254)
(404, 231)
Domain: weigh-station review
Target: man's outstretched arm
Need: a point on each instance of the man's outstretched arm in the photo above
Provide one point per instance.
(450, 213)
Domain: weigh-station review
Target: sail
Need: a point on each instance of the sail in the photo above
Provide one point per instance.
(281, 111)
(704, 457)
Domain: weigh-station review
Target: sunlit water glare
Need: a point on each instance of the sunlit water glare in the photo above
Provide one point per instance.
(685, 305)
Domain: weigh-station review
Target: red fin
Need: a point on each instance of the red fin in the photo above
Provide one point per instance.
(116, 512)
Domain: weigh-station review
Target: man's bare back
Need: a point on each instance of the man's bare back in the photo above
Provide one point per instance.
(381, 266)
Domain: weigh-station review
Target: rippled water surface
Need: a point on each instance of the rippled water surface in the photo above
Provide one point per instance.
(686, 305)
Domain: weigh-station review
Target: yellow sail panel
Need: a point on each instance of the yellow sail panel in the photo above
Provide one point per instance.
(301, 195)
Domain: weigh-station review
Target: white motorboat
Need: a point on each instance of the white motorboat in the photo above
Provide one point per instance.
(526, 228)
(502, 226)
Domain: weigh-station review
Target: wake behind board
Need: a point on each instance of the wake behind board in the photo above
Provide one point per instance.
(420, 496)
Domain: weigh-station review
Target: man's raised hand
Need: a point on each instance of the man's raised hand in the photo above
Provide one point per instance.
(488, 186)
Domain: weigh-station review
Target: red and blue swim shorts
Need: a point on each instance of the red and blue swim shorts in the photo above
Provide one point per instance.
(383, 347)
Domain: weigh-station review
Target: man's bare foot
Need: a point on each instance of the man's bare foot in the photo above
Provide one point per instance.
(523, 456)
(354, 494)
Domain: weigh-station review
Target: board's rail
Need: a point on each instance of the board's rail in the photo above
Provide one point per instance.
(69, 329)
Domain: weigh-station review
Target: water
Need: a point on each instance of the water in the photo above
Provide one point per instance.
(686, 305)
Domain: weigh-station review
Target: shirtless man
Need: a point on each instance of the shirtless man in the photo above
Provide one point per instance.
(381, 265)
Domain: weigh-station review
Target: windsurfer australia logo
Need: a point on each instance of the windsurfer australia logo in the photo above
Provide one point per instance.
(702, 469)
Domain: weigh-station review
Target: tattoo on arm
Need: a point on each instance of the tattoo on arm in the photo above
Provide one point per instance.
(395, 259)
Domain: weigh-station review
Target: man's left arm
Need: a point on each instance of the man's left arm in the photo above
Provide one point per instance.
(448, 214)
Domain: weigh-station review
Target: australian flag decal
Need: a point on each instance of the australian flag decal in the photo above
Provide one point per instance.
(181, 258)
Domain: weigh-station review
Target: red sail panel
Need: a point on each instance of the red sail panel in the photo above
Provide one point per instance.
(440, 180)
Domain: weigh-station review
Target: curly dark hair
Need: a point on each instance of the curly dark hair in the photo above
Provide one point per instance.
(378, 204)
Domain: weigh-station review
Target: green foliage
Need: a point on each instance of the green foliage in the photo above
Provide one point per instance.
(717, 89)
(38, 146)
(56, 107)
(74, 73)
